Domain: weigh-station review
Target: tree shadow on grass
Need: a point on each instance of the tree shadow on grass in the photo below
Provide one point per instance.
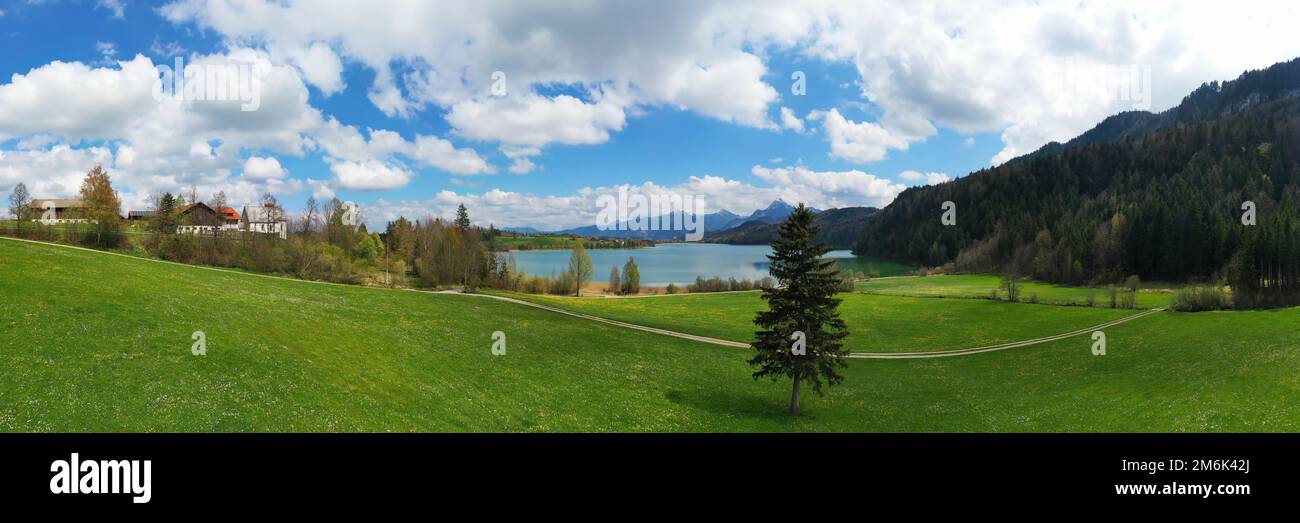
(738, 405)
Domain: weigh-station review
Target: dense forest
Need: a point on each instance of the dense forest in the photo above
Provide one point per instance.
(1166, 206)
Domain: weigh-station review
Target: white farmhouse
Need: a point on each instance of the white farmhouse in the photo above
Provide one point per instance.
(266, 220)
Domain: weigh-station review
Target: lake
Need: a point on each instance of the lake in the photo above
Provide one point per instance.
(666, 263)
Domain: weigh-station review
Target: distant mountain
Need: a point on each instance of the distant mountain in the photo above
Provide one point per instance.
(839, 227)
(716, 221)
(521, 230)
(719, 220)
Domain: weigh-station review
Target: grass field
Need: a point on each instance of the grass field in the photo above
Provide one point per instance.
(980, 285)
(94, 342)
(876, 323)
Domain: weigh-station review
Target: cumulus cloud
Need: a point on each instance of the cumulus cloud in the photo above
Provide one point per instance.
(830, 189)
(860, 142)
(535, 121)
(263, 168)
(790, 121)
(370, 175)
(346, 142)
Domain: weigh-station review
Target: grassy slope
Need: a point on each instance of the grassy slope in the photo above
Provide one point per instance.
(979, 286)
(93, 342)
(876, 323)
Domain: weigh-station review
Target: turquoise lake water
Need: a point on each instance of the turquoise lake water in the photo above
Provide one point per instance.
(677, 263)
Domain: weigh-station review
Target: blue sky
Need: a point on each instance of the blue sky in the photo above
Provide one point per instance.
(391, 105)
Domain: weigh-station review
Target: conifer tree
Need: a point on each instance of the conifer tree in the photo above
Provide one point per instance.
(803, 301)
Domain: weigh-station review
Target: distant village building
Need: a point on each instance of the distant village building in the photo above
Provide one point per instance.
(265, 220)
(52, 211)
(198, 219)
(138, 216)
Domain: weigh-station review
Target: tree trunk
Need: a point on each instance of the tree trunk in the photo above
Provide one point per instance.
(794, 397)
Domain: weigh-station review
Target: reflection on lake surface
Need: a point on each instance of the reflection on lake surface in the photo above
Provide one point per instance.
(677, 263)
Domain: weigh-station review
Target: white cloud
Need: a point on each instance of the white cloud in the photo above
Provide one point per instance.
(346, 142)
(77, 101)
(106, 49)
(263, 168)
(860, 142)
(166, 50)
(790, 121)
(522, 166)
(320, 66)
(830, 189)
(370, 175)
(930, 178)
(535, 121)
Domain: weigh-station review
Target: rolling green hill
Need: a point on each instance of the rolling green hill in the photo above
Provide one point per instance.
(96, 342)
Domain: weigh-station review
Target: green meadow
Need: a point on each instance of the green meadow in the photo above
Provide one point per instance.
(1150, 296)
(96, 342)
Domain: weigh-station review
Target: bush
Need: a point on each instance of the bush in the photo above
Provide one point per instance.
(535, 285)
(1200, 298)
(846, 283)
(672, 289)
(565, 285)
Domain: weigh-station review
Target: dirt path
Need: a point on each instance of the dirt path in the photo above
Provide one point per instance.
(854, 355)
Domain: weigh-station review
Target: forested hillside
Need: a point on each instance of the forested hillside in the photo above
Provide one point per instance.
(1166, 206)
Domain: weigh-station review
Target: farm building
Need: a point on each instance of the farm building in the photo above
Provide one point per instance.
(265, 220)
(51, 211)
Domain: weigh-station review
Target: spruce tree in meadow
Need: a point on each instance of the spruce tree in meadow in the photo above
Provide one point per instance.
(803, 301)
